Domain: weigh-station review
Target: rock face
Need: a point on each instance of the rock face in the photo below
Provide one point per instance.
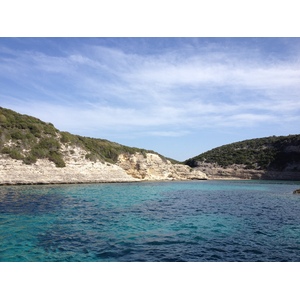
(214, 171)
(78, 169)
(152, 167)
(45, 172)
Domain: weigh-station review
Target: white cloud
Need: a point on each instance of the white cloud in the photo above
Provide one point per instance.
(100, 87)
(241, 74)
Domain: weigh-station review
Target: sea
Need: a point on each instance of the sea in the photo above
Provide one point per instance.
(177, 221)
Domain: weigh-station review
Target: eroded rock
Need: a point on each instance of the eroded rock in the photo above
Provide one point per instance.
(78, 169)
(151, 166)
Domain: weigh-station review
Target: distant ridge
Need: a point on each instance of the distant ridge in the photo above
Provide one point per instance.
(267, 155)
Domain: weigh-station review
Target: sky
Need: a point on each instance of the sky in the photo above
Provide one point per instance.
(177, 96)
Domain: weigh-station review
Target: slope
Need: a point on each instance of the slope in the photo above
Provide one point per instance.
(267, 156)
(35, 152)
(27, 138)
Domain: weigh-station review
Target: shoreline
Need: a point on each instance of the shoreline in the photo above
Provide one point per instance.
(134, 181)
(62, 183)
(93, 182)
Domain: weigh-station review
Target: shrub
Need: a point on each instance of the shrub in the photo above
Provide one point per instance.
(15, 154)
(49, 129)
(65, 137)
(2, 119)
(39, 152)
(49, 143)
(17, 135)
(5, 150)
(30, 159)
(57, 159)
(35, 130)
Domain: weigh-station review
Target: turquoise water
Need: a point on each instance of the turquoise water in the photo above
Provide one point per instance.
(151, 221)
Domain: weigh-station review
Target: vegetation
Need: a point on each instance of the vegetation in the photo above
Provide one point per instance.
(27, 138)
(270, 153)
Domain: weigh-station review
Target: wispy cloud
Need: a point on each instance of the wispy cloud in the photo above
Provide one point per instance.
(170, 93)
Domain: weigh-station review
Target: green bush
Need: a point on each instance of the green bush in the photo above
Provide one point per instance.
(15, 154)
(39, 152)
(2, 119)
(57, 159)
(30, 159)
(49, 129)
(66, 137)
(17, 135)
(5, 150)
(49, 143)
(35, 130)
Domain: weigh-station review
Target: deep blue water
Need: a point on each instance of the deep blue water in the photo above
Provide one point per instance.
(151, 221)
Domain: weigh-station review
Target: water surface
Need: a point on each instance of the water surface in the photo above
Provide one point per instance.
(151, 221)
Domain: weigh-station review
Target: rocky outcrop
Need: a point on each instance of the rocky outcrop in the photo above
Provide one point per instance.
(151, 166)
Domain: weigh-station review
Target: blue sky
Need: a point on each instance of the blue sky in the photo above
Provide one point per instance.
(177, 96)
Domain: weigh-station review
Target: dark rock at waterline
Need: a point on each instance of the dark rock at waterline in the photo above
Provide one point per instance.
(296, 191)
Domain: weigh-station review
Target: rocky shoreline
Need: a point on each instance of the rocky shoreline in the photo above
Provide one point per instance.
(78, 169)
(214, 171)
(129, 168)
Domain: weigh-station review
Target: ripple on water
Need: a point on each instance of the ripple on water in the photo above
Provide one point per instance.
(174, 221)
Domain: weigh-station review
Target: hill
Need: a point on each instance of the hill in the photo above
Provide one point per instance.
(268, 156)
(33, 151)
(27, 138)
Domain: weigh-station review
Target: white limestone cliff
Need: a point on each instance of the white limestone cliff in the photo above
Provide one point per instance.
(78, 169)
(152, 167)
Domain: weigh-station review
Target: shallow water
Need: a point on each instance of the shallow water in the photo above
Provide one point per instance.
(151, 221)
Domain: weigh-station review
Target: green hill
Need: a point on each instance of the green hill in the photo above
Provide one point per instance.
(27, 138)
(270, 153)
